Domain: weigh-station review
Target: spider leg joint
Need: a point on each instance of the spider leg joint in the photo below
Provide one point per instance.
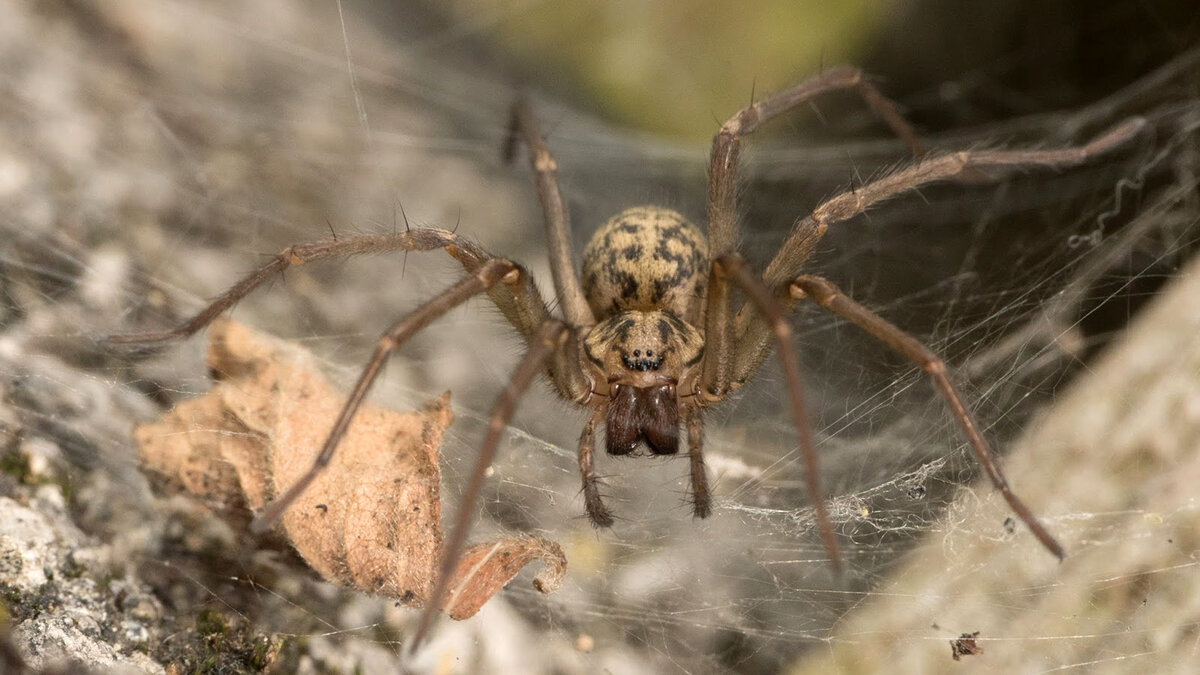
(544, 163)
(935, 367)
(821, 291)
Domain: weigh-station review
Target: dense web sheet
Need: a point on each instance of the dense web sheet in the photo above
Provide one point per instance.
(146, 169)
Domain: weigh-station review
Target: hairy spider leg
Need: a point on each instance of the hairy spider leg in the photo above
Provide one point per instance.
(829, 296)
(758, 321)
(550, 337)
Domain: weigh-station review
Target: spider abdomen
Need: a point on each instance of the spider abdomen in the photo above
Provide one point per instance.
(645, 258)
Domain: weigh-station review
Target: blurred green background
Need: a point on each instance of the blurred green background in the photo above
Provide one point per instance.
(676, 67)
(642, 63)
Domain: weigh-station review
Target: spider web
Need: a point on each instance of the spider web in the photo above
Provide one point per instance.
(150, 168)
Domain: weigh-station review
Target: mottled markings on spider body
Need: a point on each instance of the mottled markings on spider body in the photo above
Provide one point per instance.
(645, 258)
(644, 341)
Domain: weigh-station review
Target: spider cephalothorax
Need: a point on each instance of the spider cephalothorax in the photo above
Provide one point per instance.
(650, 334)
(641, 362)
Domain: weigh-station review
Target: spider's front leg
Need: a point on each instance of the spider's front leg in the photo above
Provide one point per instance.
(824, 293)
(551, 343)
(496, 270)
(828, 296)
(732, 268)
(520, 303)
(701, 499)
(507, 284)
(721, 371)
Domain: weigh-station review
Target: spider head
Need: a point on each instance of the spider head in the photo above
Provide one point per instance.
(642, 357)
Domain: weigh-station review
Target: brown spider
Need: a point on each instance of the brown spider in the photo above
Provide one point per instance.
(650, 336)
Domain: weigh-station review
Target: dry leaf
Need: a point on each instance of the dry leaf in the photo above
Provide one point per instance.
(372, 519)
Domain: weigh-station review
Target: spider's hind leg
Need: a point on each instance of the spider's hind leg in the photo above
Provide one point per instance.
(523, 126)
(726, 147)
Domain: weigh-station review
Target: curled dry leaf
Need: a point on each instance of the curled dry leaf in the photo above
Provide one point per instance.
(372, 519)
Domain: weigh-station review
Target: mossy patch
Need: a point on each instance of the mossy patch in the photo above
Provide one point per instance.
(222, 643)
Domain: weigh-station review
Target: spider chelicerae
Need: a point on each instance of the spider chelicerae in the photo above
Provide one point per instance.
(650, 336)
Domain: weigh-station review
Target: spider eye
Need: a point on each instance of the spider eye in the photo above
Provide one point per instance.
(637, 361)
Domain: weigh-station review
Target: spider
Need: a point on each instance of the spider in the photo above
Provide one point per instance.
(650, 336)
